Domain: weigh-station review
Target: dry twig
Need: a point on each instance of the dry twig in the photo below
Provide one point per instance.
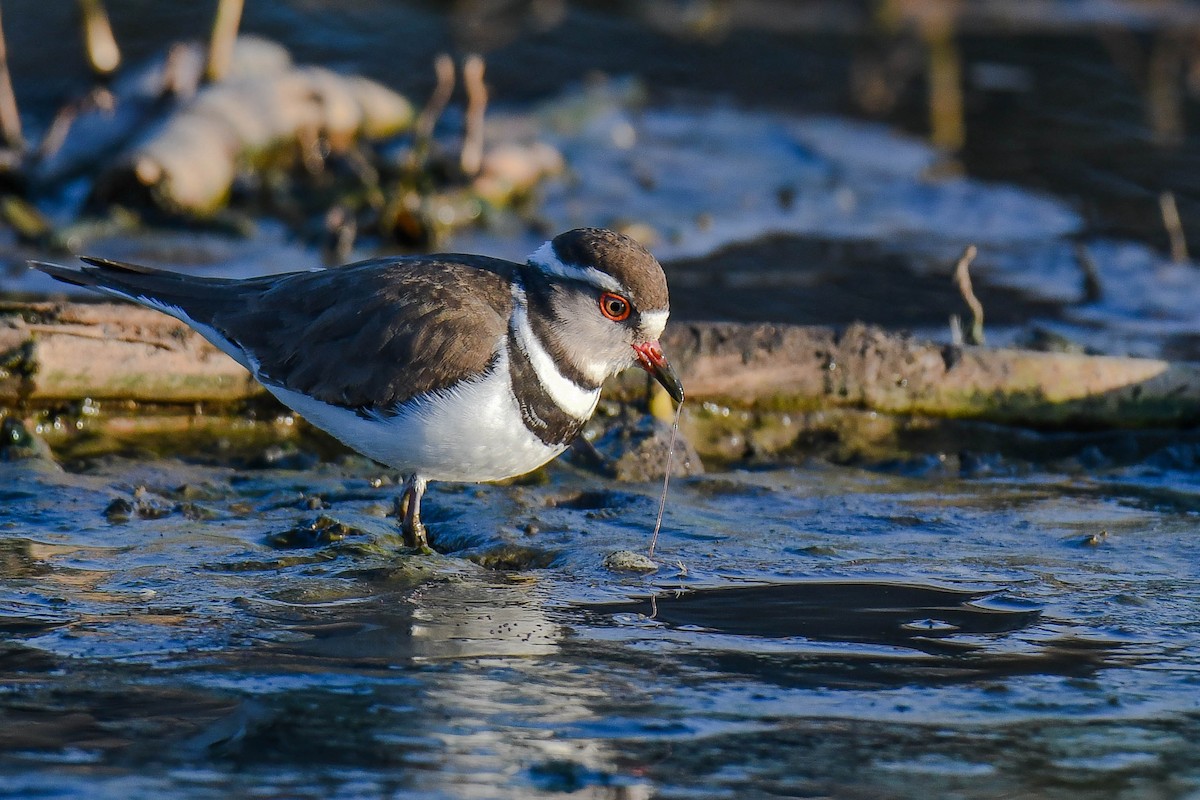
(56, 134)
(944, 70)
(956, 334)
(103, 54)
(1174, 226)
(962, 279)
(477, 98)
(1093, 290)
(10, 118)
(443, 67)
(224, 34)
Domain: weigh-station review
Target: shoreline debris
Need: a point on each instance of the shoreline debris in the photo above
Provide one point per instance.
(219, 134)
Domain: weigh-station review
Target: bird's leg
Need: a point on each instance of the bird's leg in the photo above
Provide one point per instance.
(410, 504)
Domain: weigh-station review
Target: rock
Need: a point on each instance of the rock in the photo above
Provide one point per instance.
(636, 451)
(119, 511)
(17, 442)
(324, 530)
(629, 561)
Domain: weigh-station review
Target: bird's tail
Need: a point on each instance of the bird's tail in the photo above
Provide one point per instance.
(184, 296)
(193, 300)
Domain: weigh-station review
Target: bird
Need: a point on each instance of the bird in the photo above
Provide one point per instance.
(445, 367)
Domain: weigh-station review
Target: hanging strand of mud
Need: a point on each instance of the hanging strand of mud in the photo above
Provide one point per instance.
(662, 501)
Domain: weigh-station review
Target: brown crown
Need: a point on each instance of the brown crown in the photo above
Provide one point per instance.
(619, 256)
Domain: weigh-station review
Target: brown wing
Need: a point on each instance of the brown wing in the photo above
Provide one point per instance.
(371, 336)
(366, 336)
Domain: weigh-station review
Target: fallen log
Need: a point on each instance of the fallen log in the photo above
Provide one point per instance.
(190, 160)
(52, 353)
(786, 367)
(93, 133)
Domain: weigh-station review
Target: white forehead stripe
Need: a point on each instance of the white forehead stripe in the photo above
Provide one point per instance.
(545, 260)
(653, 323)
(566, 394)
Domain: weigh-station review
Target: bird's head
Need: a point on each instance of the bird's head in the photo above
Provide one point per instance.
(609, 296)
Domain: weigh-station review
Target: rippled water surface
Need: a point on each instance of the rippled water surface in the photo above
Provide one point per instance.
(821, 630)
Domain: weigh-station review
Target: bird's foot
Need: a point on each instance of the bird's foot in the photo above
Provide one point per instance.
(408, 508)
(411, 528)
(416, 537)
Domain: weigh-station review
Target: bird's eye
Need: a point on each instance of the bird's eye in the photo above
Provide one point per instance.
(614, 307)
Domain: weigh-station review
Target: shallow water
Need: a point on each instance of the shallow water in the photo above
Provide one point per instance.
(815, 630)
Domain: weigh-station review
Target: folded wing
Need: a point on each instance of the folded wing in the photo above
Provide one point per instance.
(368, 336)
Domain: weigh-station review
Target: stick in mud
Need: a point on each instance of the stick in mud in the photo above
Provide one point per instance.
(443, 68)
(179, 78)
(477, 97)
(224, 33)
(1174, 226)
(956, 333)
(100, 98)
(1093, 289)
(962, 279)
(10, 118)
(103, 54)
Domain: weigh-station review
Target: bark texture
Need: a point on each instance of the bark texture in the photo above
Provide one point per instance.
(51, 353)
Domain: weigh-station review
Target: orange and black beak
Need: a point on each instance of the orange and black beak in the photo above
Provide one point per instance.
(650, 357)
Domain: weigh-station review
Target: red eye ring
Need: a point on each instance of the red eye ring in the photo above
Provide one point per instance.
(614, 307)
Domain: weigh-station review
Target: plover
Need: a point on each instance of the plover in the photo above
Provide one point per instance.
(448, 367)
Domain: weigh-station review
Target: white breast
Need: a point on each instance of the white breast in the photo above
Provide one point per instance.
(472, 432)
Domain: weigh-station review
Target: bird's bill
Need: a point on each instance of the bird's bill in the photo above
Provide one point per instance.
(650, 357)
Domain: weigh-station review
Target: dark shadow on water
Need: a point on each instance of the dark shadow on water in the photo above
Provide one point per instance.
(858, 611)
(889, 633)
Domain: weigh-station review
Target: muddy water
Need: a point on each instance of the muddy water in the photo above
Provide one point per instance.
(200, 631)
